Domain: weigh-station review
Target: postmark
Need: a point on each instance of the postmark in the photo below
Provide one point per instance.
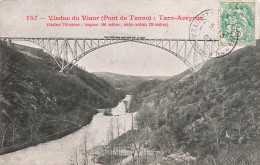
(208, 30)
(237, 20)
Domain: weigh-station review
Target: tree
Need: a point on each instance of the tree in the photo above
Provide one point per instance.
(13, 122)
(84, 152)
(138, 145)
(136, 142)
(163, 140)
(118, 133)
(3, 130)
(34, 123)
(13, 125)
(74, 158)
(111, 137)
(217, 129)
(131, 145)
(145, 135)
(106, 152)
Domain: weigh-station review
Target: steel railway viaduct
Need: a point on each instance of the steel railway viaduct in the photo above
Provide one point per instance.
(68, 51)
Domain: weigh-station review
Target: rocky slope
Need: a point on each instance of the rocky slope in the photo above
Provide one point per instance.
(38, 103)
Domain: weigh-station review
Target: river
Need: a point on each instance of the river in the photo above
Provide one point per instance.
(58, 152)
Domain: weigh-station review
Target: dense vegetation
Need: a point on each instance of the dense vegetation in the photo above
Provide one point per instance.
(126, 83)
(148, 89)
(211, 113)
(38, 103)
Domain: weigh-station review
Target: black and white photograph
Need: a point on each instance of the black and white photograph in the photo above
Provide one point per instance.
(129, 82)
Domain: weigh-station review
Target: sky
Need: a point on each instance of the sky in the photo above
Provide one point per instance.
(125, 58)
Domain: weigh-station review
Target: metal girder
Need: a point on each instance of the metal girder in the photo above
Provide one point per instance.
(68, 51)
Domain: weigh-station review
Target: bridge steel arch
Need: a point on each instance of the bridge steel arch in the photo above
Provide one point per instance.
(68, 51)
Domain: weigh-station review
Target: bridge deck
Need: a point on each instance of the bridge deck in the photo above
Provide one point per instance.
(80, 38)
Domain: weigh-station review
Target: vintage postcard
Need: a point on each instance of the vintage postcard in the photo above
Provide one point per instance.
(129, 82)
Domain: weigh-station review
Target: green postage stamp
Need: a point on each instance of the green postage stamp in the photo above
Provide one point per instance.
(237, 23)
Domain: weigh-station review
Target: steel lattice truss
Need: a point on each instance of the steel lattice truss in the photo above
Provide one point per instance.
(68, 51)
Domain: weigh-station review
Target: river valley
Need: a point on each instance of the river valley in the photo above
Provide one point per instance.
(58, 152)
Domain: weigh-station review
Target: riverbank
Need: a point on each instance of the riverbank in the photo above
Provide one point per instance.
(60, 151)
(131, 148)
(52, 137)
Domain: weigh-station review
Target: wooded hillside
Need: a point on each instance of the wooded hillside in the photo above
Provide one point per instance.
(38, 103)
(215, 111)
